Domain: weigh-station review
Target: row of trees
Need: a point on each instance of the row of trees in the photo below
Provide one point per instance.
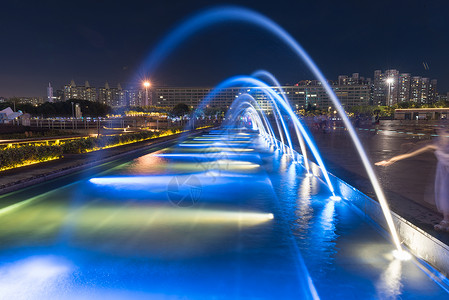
(182, 109)
(61, 109)
(96, 109)
(388, 111)
(372, 110)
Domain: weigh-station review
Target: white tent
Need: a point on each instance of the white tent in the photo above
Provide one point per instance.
(8, 114)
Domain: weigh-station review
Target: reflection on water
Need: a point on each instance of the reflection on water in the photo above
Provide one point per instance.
(334, 241)
(121, 234)
(389, 285)
(37, 275)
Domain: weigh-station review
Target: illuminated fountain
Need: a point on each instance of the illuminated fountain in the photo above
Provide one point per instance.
(274, 82)
(236, 14)
(228, 213)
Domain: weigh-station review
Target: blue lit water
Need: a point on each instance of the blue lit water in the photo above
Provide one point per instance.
(221, 218)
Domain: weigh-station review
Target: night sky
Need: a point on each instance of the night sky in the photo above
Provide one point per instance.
(98, 41)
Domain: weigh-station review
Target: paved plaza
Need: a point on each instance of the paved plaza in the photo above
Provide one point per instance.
(408, 184)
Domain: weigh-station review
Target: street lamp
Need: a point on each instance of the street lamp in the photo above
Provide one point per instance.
(390, 81)
(73, 121)
(146, 84)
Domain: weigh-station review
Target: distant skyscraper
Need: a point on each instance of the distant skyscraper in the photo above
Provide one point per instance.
(49, 93)
(85, 92)
(136, 97)
(379, 90)
(425, 82)
(433, 93)
(415, 89)
(355, 79)
(393, 87)
(404, 87)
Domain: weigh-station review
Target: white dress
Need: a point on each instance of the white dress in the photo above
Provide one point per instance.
(442, 180)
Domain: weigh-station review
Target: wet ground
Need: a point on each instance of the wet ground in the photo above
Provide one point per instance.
(408, 184)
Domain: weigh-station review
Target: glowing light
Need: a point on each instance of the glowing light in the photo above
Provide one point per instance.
(136, 216)
(389, 285)
(335, 198)
(206, 139)
(145, 182)
(146, 84)
(206, 155)
(221, 164)
(33, 278)
(247, 104)
(29, 162)
(220, 149)
(13, 207)
(246, 108)
(206, 145)
(390, 80)
(402, 255)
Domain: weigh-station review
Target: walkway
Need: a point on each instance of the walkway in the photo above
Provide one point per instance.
(408, 184)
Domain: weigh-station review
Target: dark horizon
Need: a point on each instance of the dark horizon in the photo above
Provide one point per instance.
(108, 41)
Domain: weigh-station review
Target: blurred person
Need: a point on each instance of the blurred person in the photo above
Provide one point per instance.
(441, 148)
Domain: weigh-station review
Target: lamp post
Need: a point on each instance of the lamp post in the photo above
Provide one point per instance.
(73, 114)
(146, 84)
(390, 81)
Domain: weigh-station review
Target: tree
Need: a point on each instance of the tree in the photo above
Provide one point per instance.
(180, 109)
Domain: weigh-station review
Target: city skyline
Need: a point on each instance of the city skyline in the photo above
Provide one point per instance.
(139, 85)
(46, 44)
(384, 88)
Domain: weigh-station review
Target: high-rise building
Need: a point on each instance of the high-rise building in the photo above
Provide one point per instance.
(136, 97)
(425, 82)
(305, 94)
(433, 93)
(29, 100)
(393, 87)
(387, 88)
(379, 91)
(86, 92)
(415, 89)
(114, 97)
(89, 93)
(404, 87)
(49, 93)
(105, 94)
(122, 96)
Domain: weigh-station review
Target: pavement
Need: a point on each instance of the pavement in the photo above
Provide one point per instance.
(408, 184)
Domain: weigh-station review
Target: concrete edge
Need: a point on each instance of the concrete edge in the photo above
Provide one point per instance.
(420, 243)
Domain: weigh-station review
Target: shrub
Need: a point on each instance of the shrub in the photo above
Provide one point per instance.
(12, 157)
(23, 154)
